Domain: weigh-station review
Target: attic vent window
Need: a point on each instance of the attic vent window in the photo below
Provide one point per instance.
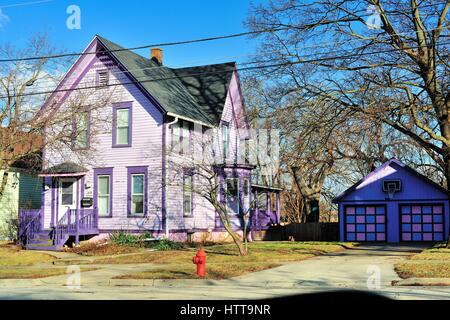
(103, 78)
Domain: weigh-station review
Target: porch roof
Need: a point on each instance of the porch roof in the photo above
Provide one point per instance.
(65, 169)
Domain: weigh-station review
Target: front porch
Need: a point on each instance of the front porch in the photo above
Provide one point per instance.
(62, 215)
(75, 223)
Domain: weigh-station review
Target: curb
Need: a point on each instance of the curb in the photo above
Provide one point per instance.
(162, 282)
(421, 282)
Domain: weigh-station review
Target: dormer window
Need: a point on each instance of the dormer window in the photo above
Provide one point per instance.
(102, 78)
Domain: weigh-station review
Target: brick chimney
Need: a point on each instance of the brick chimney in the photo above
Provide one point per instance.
(156, 55)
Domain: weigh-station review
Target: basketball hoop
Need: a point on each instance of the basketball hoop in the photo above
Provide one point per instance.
(391, 187)
(391, 191)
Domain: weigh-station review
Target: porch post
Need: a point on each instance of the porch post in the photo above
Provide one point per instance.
(256, 210)
(77, 226)
(77, 214)
(278, 207)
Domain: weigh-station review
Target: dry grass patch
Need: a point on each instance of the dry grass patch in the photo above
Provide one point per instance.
(223, 261)
(105, 249)
(423, 269)
(442, 254)
(273, 252)
(35, 273)
(430, 263)
(215, 271)
(11, 255)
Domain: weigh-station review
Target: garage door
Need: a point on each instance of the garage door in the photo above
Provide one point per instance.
(365, 223)
(422, 222)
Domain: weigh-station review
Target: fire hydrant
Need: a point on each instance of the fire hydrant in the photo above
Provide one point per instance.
(200, 261)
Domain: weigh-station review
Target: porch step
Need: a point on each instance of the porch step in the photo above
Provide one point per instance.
(42, 247)
(45, 242)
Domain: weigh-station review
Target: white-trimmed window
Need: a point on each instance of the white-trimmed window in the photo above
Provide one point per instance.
(225, 141)
(187, 195)
(123, 127)
(67, 192)
(181, 137)
(137, 194)
(186, 138)
(104, 195)
(246, 190)
(232, 195)
(81, 131)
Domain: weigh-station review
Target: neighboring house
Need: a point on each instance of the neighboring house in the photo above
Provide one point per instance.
(21, 190)
(394, 203)
(120, 176)
(20, 187)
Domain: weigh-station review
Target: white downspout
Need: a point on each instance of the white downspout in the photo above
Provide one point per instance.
(169, 125)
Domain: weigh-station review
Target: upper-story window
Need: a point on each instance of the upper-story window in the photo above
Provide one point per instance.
(181, 137)
(102, 78)
(232, 195)
(225, 140)
(122, 125)
(187, 195)
(81, 131)
(246, 191)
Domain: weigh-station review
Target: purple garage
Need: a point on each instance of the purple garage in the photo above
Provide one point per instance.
(394, 203)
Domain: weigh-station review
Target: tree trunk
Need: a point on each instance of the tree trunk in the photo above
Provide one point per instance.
(447, 176)
(445, 128)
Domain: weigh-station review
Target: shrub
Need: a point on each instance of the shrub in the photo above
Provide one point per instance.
(166, 244)
(123, 238)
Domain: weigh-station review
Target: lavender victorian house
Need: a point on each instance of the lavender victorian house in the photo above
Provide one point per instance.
(130, 117)
(394, 203)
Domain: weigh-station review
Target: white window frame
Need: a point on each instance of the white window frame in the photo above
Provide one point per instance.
(185, 193)
(227, 195)
(128, 110)
(132, 194)
(108, 195)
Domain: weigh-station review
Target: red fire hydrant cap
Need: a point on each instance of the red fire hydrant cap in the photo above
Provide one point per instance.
(201, 253)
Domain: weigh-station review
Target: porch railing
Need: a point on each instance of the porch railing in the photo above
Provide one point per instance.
(29, 224)
(73, 223)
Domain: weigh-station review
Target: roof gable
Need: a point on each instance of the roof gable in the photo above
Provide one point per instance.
(415, 185)
(197, 93)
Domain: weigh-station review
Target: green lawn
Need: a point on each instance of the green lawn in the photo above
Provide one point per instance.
(223, 261)
(430, 263)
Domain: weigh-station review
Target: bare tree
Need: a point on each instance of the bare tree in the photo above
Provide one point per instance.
(382, 58)
(205, 165)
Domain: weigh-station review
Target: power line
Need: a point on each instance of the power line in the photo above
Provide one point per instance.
(321, 45)
(166, 44)
(25, 4)
(217, 72)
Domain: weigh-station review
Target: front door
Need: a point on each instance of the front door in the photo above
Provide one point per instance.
(67, 195)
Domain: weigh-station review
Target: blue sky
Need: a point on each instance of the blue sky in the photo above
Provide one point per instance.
(133, 23)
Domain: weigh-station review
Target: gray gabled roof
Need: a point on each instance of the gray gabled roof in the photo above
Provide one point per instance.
(197, 93)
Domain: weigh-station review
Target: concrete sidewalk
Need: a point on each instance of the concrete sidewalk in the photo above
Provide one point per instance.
(349, 269)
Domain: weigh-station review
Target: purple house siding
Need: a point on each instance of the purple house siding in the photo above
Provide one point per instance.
(146, 152)
(146, 136)
(417, 191)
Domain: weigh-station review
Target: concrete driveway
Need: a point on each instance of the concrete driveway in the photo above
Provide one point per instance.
(356, 268)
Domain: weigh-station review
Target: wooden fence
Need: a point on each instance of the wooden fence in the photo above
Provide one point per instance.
(328, 231)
